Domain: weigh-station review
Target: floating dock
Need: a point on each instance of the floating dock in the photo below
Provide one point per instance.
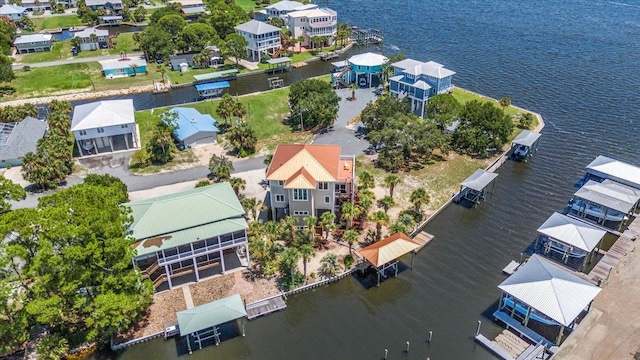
(266, 306)
(511, 268)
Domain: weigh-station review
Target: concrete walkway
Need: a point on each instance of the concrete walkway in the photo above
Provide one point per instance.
(17, 66)
(247, 64)
(187, 296)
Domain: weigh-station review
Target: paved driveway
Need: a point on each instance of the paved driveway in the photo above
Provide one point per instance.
(342, 134)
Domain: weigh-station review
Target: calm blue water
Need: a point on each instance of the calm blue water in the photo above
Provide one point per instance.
(576, 63)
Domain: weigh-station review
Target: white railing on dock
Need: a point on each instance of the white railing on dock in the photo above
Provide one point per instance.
(123, 345)
(319, 283)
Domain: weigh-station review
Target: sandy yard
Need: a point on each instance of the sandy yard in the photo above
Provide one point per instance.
(332, 247)
(204, 152)
(615, 334)
(15, 174)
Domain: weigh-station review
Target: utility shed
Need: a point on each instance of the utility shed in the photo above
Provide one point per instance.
(200, 323)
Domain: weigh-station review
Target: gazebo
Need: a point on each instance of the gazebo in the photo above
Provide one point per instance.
(525, 144)
(201, 322)
(570, 237)
(384, 254)
(606, 201)
(545, 293)
(474, 188)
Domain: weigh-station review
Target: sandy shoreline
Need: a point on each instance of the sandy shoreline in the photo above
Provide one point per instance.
(82, 95)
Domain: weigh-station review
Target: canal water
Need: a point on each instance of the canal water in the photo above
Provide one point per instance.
(576, 63)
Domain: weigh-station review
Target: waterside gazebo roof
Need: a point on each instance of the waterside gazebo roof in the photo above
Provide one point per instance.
(613, 169)
(550, 289)
(527, 138)
(572, 232)
(389, 249)
(479, 180)
(608, 194)
(211, 314)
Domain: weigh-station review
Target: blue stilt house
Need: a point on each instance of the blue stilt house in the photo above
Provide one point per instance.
(365, 70)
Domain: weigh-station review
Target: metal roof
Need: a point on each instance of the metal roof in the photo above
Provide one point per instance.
(256, 27)
(479, 180)
(609, 195)
(26, 39)
(429, 68)
(572, 232)
(9, 9)
(284, 5)
(102, 2)
(212, 86)
(211, 314)
(191, 122)
(186, 210)
(340, 64)
(279, 60)
(194, 10)
(215, 75)
(389, 249)
(613, 169)
(527, 138)
(368, 59)
(87, 33)
(550, 289)
(17, 139)
(122, 63)
(112, 17)
(102, 113)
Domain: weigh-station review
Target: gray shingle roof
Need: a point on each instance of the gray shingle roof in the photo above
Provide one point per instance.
(9, 9)
(23, 138)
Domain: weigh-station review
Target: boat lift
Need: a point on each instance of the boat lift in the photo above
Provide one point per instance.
(525, 145)
(474, 188)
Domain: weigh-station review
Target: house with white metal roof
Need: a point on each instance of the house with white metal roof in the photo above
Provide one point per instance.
(17, 139)
(92, 39)
(607, 168)
(13, 12)
(282, 8)
(104, 126)
(189, 235)
(123, 67)
(542, 296)
(365, 70)
(313, 23)
(113, 5)
(262, 38)
(419, 81)
(33, 43)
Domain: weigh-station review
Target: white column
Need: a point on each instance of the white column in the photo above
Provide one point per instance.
(79, 147)
(195, 264)
(126, 141)
(246, 251)
(313, 208)
(111, 143)
(222, 262)
(95, 146)
(166, 270)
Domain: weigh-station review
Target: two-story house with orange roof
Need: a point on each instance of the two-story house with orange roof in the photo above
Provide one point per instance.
(308, 180)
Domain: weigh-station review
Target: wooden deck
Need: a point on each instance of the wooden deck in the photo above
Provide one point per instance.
(423, 238)
(618, 251)
(266, 306)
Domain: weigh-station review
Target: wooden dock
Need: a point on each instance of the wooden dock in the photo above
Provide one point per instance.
(266, 306)
(423, 238)
(618, 251)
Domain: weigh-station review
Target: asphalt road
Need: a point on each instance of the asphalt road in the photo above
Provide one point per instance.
(18, 66)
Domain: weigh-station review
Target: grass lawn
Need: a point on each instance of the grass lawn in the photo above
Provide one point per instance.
(178, 77)
(55, 22)
(124, 42)
(49, 80)
(247, 5)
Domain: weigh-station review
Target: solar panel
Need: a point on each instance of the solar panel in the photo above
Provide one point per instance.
(5, 132)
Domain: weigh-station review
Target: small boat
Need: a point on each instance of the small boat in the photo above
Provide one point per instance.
(593, 210)
(535, 315)
(562, 249)
(521, 152)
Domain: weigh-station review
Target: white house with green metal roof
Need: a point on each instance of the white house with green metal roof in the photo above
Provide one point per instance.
(190, 235)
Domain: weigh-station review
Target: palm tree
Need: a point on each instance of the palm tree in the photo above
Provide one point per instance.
(505, 102)
(327, 222)
(225, 107)
(300, 41)
(386, 203)
(237, 184)
(329, 265)
(366, 180)
(289, 259)
(419, 197)
(94, 39)
(243, 139)
(407, 220)
(350, 211)
(239, 110)
(290, 223)
(272, 231)
(391, 181)
(353, 86)
(381, 219)
(134, 67)
(367, 198)
(307, 252)
(350, 236)
(257, 208)
(311, 223)
(398, 227)
(52, 347)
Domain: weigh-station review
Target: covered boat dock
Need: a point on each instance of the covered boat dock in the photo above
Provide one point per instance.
(216, 76)
(541, 297)
(525, 144)
(570, 238)
(384, 254)
(474, 188)
(200, 323)
(605, 202)
(211, 89)
(280, 64)
(607, 168)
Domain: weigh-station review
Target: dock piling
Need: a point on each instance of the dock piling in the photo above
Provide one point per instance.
(407, 350)
(430, 335)
(478, 328)
(386, 352)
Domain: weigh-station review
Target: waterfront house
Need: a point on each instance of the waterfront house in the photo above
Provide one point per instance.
(365, 70)
(281, 8)
(17, 139)
(194, 129)
(313, 23)
(104, 126)
(110, 5)
(33, 43)
(191, 8)
(607, 168)
(32, 6)
(13, 12)
(175, 61)
(121, 67)
(87, 42)
(308, 180)
(262, 38)
(190, 235)
(418, 81)
(541, 300)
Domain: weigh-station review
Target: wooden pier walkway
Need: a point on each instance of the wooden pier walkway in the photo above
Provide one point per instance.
(266, 306)
(618, 251)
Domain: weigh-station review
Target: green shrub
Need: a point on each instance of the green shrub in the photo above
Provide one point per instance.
(140, 159)
(348, 261)
(202, 183)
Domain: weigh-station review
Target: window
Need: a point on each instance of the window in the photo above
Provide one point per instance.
(300, 228)
(300, 195)
(300, 213)
(280, 183)
(124, 126)
(82, 132)
(100, 130)
(279, 198)
(323, 186)
(368, 67)
(327, 199)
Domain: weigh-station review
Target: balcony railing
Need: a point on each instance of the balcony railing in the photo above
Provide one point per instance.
(190, 254)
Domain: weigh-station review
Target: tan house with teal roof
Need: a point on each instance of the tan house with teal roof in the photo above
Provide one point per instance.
(190, 235)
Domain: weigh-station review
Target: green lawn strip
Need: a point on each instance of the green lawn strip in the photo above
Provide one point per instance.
(60, 50)
(248, 5)
(102, 83)
(124, 42)
(47, 80)
(56, 22)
